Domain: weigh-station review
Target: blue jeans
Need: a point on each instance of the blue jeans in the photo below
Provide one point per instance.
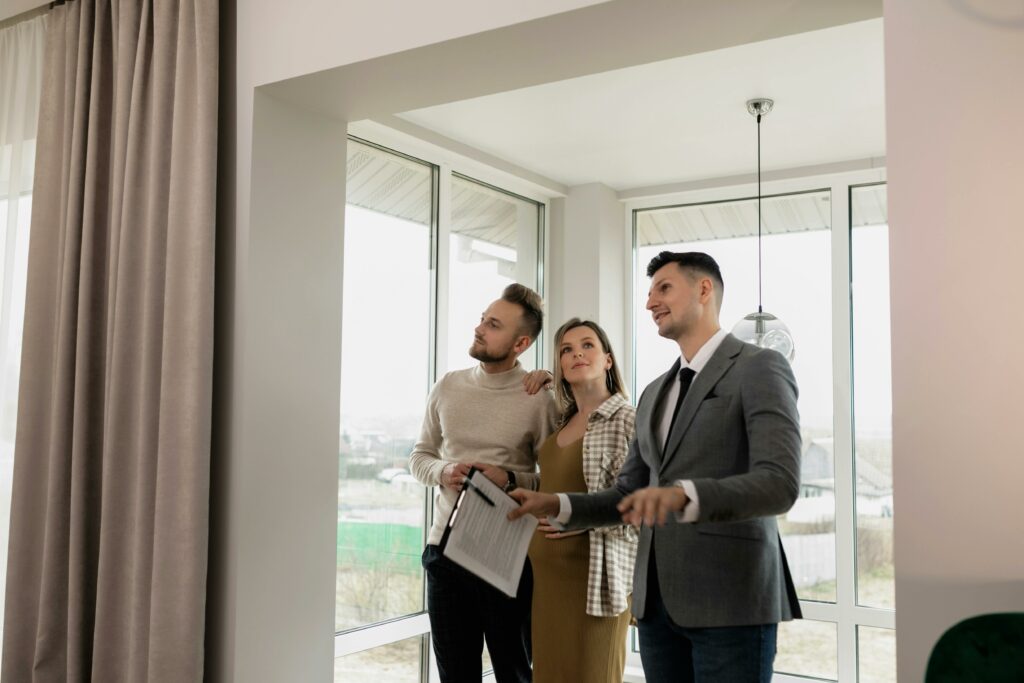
(465, 611)
(728, 654)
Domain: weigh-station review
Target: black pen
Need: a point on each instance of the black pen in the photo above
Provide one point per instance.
(469, 482)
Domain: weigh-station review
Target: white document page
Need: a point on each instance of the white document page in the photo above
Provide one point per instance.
(482, 539)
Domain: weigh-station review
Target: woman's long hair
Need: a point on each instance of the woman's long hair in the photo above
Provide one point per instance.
(612, 378)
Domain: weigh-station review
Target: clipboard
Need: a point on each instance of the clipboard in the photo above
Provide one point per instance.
(479, 538)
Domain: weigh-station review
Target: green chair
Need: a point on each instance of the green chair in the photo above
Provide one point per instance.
(984, 649)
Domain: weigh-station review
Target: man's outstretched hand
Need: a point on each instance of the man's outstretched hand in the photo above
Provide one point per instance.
(539, 505)
(652, 505)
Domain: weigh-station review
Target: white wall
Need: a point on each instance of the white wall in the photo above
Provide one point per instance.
(956, 172)
(292, 39)
(275, 618)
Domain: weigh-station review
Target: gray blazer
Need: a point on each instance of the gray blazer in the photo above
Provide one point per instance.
(737, 437)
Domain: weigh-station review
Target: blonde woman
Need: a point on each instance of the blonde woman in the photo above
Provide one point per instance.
(582, 579)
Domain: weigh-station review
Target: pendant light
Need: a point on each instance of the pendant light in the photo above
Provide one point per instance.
(761, 328)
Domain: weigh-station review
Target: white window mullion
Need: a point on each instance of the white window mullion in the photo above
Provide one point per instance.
(441, 341)
(529, 232)
(842, 368)
(876, 618)
(531, 247)
(377, 635)
(542, 238)
(819, 611)
(438, 355)
(444, 225)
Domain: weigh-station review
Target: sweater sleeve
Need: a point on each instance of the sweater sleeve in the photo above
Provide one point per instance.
(425, 461)
(546, 423)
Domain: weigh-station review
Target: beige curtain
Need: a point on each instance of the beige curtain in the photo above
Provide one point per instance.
(109, 519)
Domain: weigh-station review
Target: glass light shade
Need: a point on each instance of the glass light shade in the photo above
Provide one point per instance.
(768, 332)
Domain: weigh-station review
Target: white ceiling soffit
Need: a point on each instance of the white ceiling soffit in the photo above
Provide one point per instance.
(684, 119)
(725, 220)
(396, 186)
(388, 184)
(784, 214)
(486, 214)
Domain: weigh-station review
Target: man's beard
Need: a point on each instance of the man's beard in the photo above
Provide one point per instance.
(484, 357)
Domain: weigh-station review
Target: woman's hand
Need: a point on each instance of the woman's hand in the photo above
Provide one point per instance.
(535, 380)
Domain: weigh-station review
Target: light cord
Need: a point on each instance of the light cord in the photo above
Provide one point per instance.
(759, 310)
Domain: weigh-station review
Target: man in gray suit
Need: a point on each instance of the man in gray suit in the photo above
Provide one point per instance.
(716, 456)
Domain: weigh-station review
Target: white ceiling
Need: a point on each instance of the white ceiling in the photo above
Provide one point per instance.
(684, 119)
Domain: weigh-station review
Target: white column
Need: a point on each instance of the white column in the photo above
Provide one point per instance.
(590, 257)
(276, 622)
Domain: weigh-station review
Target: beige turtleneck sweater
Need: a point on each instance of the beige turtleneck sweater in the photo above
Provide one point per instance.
(473, 416)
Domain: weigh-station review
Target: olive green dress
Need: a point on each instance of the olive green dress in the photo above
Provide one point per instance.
(569, 644)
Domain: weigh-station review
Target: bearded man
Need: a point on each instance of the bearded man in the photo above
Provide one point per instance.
(483, 417)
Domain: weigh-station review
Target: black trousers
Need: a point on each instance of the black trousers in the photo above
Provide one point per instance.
(466, 611)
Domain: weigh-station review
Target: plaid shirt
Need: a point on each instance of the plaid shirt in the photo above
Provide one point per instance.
(612, 549)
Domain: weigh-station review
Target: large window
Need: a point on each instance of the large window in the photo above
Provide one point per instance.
(838, 535)
(21, 69)
(796, 288)
(416, 279)
(385, 375)
(15, 213)
(492, 243)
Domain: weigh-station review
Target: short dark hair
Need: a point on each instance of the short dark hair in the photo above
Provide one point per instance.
(693, 263)
(532, 305)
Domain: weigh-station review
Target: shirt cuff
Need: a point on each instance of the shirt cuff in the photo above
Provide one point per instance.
(564, 512)
(691, 512)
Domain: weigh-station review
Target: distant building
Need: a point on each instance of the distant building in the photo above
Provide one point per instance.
(817, 501)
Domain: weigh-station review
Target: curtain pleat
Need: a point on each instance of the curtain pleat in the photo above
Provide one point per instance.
(107, 568)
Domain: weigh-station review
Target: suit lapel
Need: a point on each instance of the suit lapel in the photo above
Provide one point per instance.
(703, 383)
(651, 418)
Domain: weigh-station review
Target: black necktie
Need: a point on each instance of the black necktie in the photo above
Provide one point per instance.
(686, 376)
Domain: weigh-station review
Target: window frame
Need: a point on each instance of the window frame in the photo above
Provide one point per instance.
(445, 165)
(845, 612)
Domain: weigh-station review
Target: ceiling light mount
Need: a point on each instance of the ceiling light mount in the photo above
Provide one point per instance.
(759, 106)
